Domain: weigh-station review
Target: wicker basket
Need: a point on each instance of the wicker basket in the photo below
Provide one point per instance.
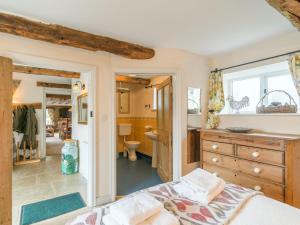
(287, 108)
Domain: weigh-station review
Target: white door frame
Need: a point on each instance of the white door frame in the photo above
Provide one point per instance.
(177, 122)
(73, 66)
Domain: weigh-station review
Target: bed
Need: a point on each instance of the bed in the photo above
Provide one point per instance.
(234, 206)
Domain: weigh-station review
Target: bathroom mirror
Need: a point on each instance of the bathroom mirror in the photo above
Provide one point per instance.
(124, 102)
(194, 100)
(82, 102)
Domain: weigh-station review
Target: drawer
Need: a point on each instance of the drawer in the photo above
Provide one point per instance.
(272, 173)
(271, 190)
(226, 174)
(218, 147)
(219, 160)
(258, 140)
(261, 155)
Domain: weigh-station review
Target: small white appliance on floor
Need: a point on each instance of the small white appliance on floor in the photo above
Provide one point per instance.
(131, 146)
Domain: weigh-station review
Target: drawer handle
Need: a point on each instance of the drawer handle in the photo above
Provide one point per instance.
(255, 154)
(257, 188)
(215, 159)
(256, 170)
(215, 146)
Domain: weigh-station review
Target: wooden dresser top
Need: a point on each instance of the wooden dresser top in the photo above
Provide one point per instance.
(252, 134)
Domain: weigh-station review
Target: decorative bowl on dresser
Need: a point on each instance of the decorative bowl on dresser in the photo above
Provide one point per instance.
(269, 163)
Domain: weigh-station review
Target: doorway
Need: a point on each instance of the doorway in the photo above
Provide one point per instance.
(58, 121)
(37, 174)
(43, 180)
(144, 122)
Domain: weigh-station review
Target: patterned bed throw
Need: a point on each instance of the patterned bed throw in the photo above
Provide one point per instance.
(219, 212)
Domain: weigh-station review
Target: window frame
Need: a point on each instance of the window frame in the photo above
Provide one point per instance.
(154, 99)
(264, 76)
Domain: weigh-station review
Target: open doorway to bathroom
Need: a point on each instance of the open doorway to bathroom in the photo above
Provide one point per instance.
(144, 120)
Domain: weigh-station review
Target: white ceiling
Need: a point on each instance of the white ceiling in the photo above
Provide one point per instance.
(206, 27)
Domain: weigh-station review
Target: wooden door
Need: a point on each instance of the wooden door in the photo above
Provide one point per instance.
(6, 141)
(164, 129)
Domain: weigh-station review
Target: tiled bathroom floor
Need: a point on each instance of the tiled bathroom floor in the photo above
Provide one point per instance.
(40, 181)
(134, 176)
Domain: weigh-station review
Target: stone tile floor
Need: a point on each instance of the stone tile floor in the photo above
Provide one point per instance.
(40, 181)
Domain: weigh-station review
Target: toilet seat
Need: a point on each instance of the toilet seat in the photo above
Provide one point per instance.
(132, 146)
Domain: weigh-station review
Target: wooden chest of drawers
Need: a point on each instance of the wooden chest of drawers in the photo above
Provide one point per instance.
(265, 162)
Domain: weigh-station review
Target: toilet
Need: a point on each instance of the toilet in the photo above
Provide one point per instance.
(131, 146)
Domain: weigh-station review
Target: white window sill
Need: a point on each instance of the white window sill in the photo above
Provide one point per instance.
(260, 114)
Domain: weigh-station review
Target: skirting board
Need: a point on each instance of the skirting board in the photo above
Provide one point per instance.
(101, 200)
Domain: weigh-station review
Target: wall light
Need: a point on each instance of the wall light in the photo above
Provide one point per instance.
(78, 86)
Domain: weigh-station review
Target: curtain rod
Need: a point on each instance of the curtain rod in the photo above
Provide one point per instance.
(256, 61)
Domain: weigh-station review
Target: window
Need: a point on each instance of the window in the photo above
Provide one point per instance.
(255, 83)
(48, 119)
(154, 104)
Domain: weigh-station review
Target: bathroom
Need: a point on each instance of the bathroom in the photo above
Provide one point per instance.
(137, 117)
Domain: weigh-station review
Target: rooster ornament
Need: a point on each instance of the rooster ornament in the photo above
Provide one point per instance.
(238, 105)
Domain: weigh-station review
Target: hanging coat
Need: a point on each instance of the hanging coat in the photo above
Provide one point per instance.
(31, 129)
(19, 119)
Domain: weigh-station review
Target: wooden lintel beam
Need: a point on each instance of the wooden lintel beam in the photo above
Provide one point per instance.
(132, 80)
(53, 85)
(45, 71)
(58, 106)
(37, 105)
(61, 35)
(58, 96)
(289, 8)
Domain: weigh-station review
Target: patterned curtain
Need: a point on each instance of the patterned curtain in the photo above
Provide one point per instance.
(216, 100)
(294, 62)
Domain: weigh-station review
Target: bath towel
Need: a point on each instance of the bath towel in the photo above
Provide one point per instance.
(193, 193)
(164, 217)
(203, 180)
(136, 209)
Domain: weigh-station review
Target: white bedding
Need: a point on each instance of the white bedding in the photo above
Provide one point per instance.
(261, 210)
(255, 210)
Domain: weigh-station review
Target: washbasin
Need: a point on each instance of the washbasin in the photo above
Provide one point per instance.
(151, 134)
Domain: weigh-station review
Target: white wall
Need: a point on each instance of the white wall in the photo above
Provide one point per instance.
(191, 68)
(278, 45)
(80, 132)
(194, 120)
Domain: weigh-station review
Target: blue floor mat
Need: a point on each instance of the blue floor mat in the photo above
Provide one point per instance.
(50, 208)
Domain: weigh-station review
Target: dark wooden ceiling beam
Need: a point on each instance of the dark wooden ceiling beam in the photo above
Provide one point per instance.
(289, 8)
(132, 80)
(53, 85)
(45, 71)
(61, 35)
